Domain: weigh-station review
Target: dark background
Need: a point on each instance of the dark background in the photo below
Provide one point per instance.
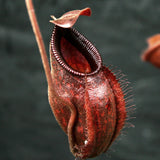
(119, 29)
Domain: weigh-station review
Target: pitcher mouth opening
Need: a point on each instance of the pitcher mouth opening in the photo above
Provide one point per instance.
(74, 52)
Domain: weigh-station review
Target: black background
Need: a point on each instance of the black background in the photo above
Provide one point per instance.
(119, 29)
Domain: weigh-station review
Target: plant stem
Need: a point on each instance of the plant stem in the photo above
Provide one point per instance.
(39, 39)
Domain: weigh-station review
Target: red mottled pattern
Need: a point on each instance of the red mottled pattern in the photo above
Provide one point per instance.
(99, 103)
(102, 103)
(74, 57)
(120, 102)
